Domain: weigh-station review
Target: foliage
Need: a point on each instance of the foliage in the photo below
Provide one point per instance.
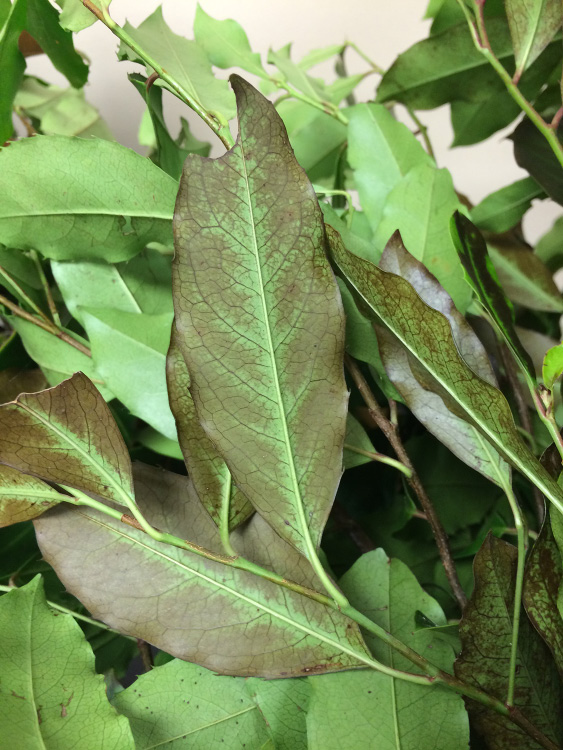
(279, 413)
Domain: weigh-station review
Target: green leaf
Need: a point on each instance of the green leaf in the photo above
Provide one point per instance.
(51, 699)
(67, 435)
(23, 497)
(284, 705)
(208, 472)
(482, 276)
(296, 76)
(12, 64)
(473, 122)
(43, 25)
(524, 277)
(552, 366)
(183, 60)
(274, 413)
(129, 352)
(486, 634)
(532, 27)
(157, 442)
(445, 67)
(181, 703)
(381, 151)
(75, 17)
(426, 334)
(102, 201)
(317, 56)
(427, 406)
(225, 43)
(533, 153)
(57, 359)
(420, 207)
(549, 248)
(368, 709)
(504, 208)
(542, 581)
(228, 620)
(356, 438)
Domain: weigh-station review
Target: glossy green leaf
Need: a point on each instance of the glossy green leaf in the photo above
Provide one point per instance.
(43, 25)
(428, 407)
(542, 582)
(67, 435)
(356, 440)
(504, 208)
(473, 122)
(381, 151)
(445, 67)
(420, 207)
(157, 442)
(129, 352)
(227, 620)
(57, 359)
(23, 497)
(12, 64)
(426, 334)
(208, 472)
(254, 296)
(533, 153)
(482, 276)
(316, 138)
(225, 43)
(532, 25)
(549, 248)
(368, 709)
(524, 277)
(75, 17)
(181, 705)
(552, 366)
(101, 202)
(486, 634)
(182, 59)
(51, 699)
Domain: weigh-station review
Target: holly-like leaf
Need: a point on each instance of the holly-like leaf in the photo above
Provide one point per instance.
(367, 709)
(12, 63)
(427, 336)
(67, 435)
(209, 473)
(227, 620)
(552, 366)
(254, 296)
(486, 636)
(504, 208)
(481, 275)
(23, 497)
(51, 696)
(102, 201)
(532, 27)
(542, 582)
(75, 17)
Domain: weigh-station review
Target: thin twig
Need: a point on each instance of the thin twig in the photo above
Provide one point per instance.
(423, 130)
(146, 654)
(391, 432)
(22, 294)
(46, 289)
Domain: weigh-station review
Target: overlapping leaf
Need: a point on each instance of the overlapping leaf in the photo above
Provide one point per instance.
(23, 497)
(532, 27)
(227, 620)
(254, 299)
(426, 334)
(67, 435)
(534, 154)
(12, 63)
(504, 208)
(102, 201)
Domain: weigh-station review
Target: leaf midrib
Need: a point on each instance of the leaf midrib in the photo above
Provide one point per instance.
(202, 728)
(83, 212)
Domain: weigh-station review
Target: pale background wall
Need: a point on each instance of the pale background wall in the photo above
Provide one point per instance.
(382, 28)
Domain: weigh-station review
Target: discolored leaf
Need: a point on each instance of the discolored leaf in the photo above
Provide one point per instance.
(542, 581)
(209, 473)
(14, 381)
(426, 335)
(486, 635)
(181, 705)
(368, 709)
(51, 698)
(430, 408)
(67, 435)
(504, 208)
(183, 60)
(23, 497)
(254, 296)
(481, 275)
(552, 366)
(12, 64)
(203, 611)
(532, 27)
(533, 153)
(101, 202)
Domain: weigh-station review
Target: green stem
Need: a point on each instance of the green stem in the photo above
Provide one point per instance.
(381, 458)
(545, 413)
(22, 294)
(423, 130)
(217, 124)
(224, 517)
(46, 289)
(327, 107)
(481, 41)
(374, 66)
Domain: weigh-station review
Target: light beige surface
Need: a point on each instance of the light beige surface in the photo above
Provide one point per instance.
(382, 28)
